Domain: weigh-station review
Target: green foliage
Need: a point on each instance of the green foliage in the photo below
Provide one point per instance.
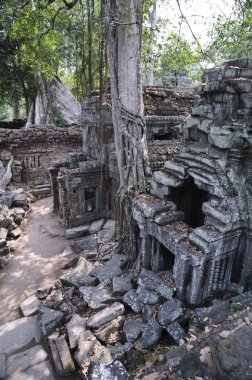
(234, 307)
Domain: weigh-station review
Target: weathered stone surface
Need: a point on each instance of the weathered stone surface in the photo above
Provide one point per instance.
(15, 233)
(25, 359)
(146, 296)
(111, 268)
(96, 226)
(106, 236)
(109, 333)
(77, 279)
(121, 285)
(106, 315)
(133, 330)
(148, 312)
(151, 334)
(3, 243)
(83, 266)
(19, 211)
(132, 299)
(49, 319)
(41, 371)
(233, 356)
(152, 281)
(19, 200)
(89, 242)
(2, 367)
(30, 306)
(61, 356)
(108, 372)
(75, 327)
(96, 297)
(175, 331)
(110, 224)
(215, 314)
(25, 330)
(90, 350)
(3, 233)
(72, 233)
(169, 312)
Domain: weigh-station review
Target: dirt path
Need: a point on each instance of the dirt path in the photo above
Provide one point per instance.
(38, 260)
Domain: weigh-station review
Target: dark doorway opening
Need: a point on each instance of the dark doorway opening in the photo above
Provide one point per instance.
(190, 199)
(162, 258)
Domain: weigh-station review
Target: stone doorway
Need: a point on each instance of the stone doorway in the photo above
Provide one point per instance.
(162, 258)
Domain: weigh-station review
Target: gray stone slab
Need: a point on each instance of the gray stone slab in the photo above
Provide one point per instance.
(108, 372)
(96, 226)
(30, 306)
(148, 312)
(96, 297)
(121, 285)
(106, 315)
(110, 224)
(175, 331)
(3, 233)
(78, 279)
(49, 319)
(106, 333)
(61, 356)
(133, 330)
(106, 236)
(131, 298)
(41, 371)
(89, 242)
(72, 233)
(151, 334)
(147, 296)
(169, 311)
(152, 281)
(111, 268)
(19, 333)
(2, 367)
(25, 359)
(75, 327)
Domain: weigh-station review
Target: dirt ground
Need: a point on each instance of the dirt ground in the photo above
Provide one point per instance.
(38, 261)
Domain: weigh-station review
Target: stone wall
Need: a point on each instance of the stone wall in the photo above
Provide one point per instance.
(36, 149)
(197, 221)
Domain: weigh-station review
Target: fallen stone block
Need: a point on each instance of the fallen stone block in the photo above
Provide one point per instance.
(3, 243)
(87, 243)
(25, 330)
(109, 224)
(42, 192)
(49, 319)
(169, 311)
(78, 280)
(75, 327)
(175, 331)
(5, 222)
(148, 312)
(2, 367)
(152, 281)
(110, 332)
(106, 236)
(72, 233)
(84, 267)
(90, 349)
(15, 233)
(217, 313)
(25, 359)
(133, 330)
(147, 297)
(96, 226)
(30, 306)
(151, 334)
(96, 297)
(61, 356)
(19, 211)
(19, 200)
(106, 315)
(3, 233)
(121, 285)
(131, 298)
(111, 268)
(108, 372)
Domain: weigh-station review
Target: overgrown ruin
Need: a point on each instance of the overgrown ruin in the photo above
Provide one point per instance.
(197, 221)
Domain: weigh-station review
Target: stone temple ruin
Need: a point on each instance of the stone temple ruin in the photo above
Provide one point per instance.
(85, 187)
(196, 223)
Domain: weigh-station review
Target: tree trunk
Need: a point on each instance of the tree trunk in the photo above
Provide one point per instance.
(149, 73)
(124, 18)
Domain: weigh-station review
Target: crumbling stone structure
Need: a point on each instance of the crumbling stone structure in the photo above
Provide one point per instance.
(196, 223)
(35, 149)
(165, 112)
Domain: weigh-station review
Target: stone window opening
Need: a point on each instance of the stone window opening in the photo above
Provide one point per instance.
(31, 162)
(238, 261)
(163, 136)
(189, 199)
(90, 199)
(162, 258)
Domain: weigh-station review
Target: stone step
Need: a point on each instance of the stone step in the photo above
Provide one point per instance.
(165, 179)
(169, 217)
(217, 213)
(176, 169)
(205, 238)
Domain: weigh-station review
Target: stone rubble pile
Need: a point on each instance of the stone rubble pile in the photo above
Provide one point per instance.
(13, 208)
(98, 319)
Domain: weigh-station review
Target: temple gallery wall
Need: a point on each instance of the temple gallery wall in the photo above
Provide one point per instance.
(195, 224)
